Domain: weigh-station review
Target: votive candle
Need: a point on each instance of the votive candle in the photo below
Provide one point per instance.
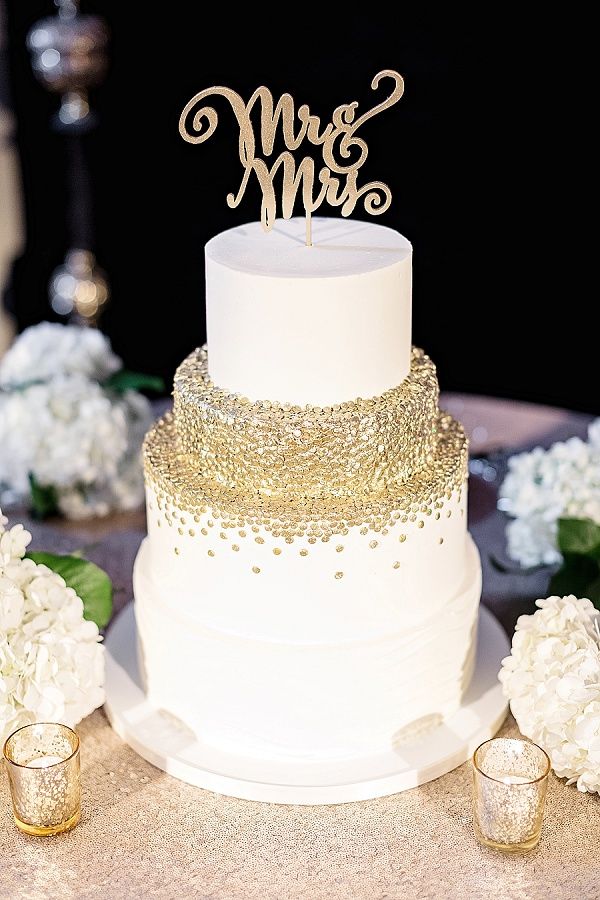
(510, 779)
(42, 762)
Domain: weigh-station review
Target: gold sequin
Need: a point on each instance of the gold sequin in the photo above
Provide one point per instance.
(256, 570)
(441, 540)
(259, 540)
(176, 549)
(372, 544)
(396, 565)
(277, 551)
(304, 552)
(361, 444)
(339, 575)
(402, 538)
(192, 533)
(178, 477)
(235, 547)
(211, 552)
(339, 548)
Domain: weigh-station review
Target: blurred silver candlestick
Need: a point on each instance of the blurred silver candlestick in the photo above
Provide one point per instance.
(69, 56)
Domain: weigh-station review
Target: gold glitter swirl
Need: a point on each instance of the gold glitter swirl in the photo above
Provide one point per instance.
(180, 482)
(310, 451)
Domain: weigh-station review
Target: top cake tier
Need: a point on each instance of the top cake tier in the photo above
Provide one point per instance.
(313, 325)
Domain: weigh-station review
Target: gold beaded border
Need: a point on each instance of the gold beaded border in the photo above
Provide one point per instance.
(317, 451)
(177, 480)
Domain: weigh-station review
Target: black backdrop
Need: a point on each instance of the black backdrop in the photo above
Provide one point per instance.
(461, 152)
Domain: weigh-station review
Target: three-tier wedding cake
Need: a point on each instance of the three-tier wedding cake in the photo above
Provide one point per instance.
(308, 589)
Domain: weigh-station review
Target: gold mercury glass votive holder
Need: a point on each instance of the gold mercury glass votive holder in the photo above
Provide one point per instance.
(42, 762)
(510, 780)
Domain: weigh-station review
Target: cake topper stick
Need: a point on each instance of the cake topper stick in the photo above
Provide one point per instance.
(343, 151)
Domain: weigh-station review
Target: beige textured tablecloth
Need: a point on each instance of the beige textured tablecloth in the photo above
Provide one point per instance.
(143, 834)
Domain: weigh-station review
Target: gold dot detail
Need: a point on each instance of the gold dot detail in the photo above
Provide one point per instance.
(235, 547)
(421, 523)
(204, 531)
(372, 544)
(448, 513)
(339, 575)
(176, 549)
(277, 551)
(223, 536)
(339, 548)
(242, 533)
(441, 540)
(158, 522)
(396, 565)
(437, 515)
(211, 552)
(259, 540)
(402, 538)
(180, 530)
(304, 553)
(256, 570)
(192, 533)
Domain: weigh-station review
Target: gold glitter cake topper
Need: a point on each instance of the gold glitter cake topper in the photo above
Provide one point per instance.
(343, 152)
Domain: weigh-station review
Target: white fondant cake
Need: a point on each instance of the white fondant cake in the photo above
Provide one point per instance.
(308, 588)
(320, 324)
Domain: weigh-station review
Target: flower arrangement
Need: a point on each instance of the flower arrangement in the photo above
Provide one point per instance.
(554, 498)
(552, 679)
(51, 659)
(72, 422)
(544, 486)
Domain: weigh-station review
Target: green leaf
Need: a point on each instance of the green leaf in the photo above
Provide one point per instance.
(578, 575)
(580, 536)
(44, 498)
(124, 380)
(593, 592)
(88, 581)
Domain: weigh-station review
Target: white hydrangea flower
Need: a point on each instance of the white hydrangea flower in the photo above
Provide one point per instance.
(124, 490)
(64, 428)
(552, 679)
(49, 349)
(51, 661)
(545, 485)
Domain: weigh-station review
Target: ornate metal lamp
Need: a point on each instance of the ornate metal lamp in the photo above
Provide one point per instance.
(69, 56)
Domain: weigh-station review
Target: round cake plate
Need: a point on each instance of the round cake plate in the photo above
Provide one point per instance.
(167, 743)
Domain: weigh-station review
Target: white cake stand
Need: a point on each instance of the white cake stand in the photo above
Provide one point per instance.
(167, 743)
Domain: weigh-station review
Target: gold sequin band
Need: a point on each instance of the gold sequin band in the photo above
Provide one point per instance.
(310, 451)
(178, 482)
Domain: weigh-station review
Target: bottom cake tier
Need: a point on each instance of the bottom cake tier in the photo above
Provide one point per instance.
(299, 646)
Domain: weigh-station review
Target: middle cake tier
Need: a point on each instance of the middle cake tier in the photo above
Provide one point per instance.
(318, 452)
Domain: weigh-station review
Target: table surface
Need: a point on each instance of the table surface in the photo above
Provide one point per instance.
(144, 834)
